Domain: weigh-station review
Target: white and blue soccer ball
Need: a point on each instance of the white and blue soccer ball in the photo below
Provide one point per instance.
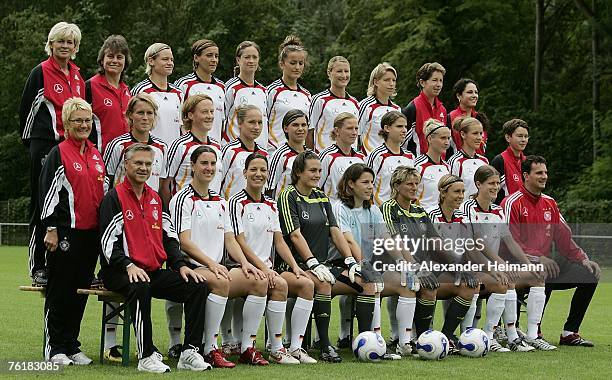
(432, 345)
(474, 343)
(369, 347)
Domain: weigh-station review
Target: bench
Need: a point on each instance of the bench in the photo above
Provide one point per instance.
(108, 300)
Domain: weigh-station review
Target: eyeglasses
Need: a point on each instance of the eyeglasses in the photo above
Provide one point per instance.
(81, 121)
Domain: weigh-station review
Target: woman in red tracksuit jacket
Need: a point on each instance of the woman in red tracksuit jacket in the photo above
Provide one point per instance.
(72, 184)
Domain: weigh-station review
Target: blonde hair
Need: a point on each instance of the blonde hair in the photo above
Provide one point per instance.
(291, 44)
(431, 127)
(63, 30)
(445, 183)
(465, 123)
(334, 60)
(151, 52)
(142, 97)
(189, 105)
(379, 71)
(401, 175)
(339, 123)
(241, 112)
(71, 105)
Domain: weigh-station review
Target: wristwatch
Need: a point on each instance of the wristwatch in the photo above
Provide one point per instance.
(49, 229)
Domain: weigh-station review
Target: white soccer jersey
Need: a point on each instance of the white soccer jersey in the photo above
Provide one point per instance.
(206, 216)
(384, 162)
(279, 169)
(371, 112)
(234, 156)
(179, 161)
(489, 225)
(324, 109)
(238, 93)
(333, 164)
(456, 228)
(258, 220)
(114, 157)
(168, 122)
(430, 172)
(464, 167)
(280, 100)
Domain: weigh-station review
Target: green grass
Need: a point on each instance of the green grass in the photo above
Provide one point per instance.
(21, 339)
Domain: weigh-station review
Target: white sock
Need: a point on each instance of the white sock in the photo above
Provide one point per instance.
(376, 319)
(110, 329)
(495, 308)
(535, 308)
(213, 313)
(237, 319)
(510, 315)
(174, 315)
(391, 308)
(565, 333)
(252, 312)
(226, 323)
(468, 320)
(288, 314)
(405, 317)
(346, 314)
(299, 320)
(275, 314)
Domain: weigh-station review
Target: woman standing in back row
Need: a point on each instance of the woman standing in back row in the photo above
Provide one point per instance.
(286, 93)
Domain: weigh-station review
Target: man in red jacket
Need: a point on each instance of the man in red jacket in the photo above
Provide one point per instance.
(137, 237)
(536, 223)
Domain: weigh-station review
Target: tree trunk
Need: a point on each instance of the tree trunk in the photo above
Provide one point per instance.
(596, 80)
(537, 75)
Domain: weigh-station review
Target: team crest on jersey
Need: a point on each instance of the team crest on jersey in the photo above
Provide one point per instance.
(525, 211)
(77, 166)
(64, 245)
(547, 216)
(244, 100)
(305, 215)
(129, 215)
(155, 213)
(336, 110)
(516, 178)
(250, 217)
(78, 89)
(199, 213)
(58, 88)
(108, 102)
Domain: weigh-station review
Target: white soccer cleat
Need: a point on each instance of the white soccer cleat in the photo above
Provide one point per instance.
(540, 344)
(61, 359)
(283, 357)
(301, 355)
(80, 359)
(494, 346)
(191, 360)
(519, 345)
(152, 364)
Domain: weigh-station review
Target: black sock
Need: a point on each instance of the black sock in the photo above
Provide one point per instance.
(321, 308)
(423, 314)
(364, 308)
(455, 313)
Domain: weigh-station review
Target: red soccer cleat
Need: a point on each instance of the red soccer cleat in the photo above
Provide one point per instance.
(253, 357)
(574, 340)
(217, 359)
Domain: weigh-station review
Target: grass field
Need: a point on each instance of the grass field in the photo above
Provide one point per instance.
(21, 338)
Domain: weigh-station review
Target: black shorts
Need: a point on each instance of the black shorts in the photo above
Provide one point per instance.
(336, 268)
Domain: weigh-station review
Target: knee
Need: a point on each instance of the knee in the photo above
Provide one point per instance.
(497, 288)
(259, 287)
(139, 290)
(466, 292)
(280, 288)
(427, 294)
(368, 289)
(322, 287)
(220, 286)
(305, 288)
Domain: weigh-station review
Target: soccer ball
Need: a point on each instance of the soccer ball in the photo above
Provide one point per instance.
(369, 346)
(432, 345)
(474, 343)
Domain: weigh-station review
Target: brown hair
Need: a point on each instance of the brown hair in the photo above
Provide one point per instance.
(198, 47)
(115, 44)
(512, 125)
(485, 172)
(339, 123)
(241, 111)
(290, 44)
(353, 173)
(401, 175)
(241, 46)
(426, 71)
(387, 120)
(299, 164)
(189, 105)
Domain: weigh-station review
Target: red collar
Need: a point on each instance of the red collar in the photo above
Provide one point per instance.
(71, 66)
(521, 156)
(424, 99)
(77, 144)
(529, 195)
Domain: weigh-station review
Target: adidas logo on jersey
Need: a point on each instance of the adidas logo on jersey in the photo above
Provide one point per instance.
(153, 202)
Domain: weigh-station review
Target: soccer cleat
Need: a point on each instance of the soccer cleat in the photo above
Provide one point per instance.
(575, 340)
(231, 348)
(253, 357)
(494, 346)
(152, 364)
(344, 342)
(174, 352)
(540, 344)
(61, 359)
(301, 355)
(452, 346)
(40, 278)
(519, 345)
(191, 360)
(391, 356)
(218, 360)
(499, 334)
(113, 354)
(329, 354)
(521, 334)
(403, 349)
(282, 357)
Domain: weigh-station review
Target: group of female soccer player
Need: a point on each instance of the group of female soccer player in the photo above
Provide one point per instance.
(276, 195)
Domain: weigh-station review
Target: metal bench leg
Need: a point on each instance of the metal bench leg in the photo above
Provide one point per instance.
(127, 324)
(103, 333)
